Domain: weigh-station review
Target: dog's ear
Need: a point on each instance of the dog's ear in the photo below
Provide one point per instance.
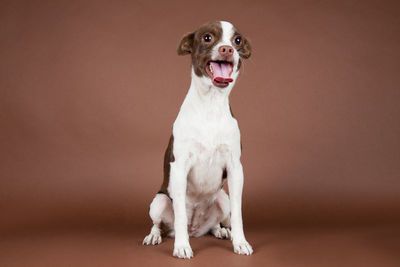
(246, 50)
(186, 45)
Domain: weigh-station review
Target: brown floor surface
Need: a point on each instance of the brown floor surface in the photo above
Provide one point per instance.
(362, 246)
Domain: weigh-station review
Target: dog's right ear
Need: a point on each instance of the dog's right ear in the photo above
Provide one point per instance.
(186, 45)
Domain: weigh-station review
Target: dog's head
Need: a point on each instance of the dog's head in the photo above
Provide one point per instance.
(217, 51)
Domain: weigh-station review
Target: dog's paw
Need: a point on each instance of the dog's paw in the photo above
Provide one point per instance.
(242, 248)
(183, 252)
(152, 239)
(221, 232)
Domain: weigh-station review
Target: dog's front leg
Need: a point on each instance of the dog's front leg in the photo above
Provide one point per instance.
(235, 183)
(178, 182)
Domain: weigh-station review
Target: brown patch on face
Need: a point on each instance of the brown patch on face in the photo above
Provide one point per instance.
(168, 158)
(200, 44)
(202, 50)
(186, 44)
(242, 45)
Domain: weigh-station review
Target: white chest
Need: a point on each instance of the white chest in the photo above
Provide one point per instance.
(210, 145)
(205, 176)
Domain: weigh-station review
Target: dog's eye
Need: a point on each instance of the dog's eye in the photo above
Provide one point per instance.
(238, 40)
(207, 38)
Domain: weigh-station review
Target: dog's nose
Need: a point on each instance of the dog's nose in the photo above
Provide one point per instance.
(225, 51)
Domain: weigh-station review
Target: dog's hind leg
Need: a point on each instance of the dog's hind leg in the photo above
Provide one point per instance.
(222, 228)
(160, 212)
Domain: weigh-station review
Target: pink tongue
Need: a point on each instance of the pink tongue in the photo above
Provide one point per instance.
(222, 72)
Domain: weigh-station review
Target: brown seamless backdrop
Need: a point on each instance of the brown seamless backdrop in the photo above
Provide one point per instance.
(89, 91)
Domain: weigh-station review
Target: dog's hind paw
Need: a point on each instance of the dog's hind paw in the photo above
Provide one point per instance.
(152, 239)
(221, 232)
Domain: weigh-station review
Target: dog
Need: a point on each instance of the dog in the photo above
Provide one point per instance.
(205, 147)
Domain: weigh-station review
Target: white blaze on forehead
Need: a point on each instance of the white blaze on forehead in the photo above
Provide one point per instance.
(227, 32)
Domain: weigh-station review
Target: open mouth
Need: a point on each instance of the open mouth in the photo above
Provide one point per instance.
(220, 72)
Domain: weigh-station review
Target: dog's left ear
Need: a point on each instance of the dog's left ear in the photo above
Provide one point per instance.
(186, 45)
(246, 50)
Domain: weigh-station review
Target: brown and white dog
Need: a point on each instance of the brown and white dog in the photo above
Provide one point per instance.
(204, 149)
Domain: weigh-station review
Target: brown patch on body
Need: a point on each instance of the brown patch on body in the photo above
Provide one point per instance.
(168, 158)
(224, 174)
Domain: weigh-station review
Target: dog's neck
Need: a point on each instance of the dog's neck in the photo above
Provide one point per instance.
(205, 98)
